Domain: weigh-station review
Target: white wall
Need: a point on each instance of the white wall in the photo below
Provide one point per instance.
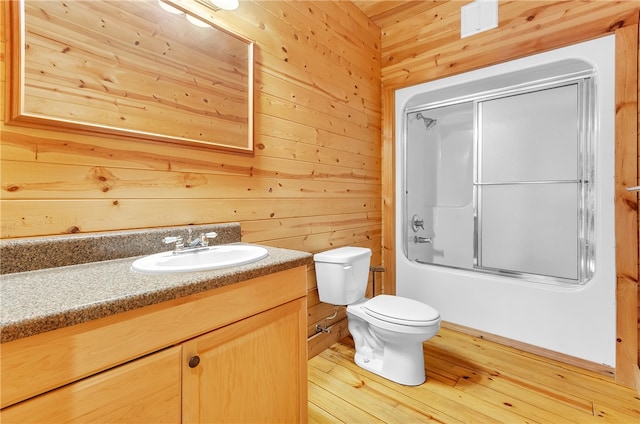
(574, 320)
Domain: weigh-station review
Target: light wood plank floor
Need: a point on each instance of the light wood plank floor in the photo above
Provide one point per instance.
(469, 380)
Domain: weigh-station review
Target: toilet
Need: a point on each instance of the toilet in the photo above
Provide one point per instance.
(388, 331)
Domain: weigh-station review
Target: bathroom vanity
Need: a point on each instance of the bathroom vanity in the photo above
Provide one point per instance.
(216, 346)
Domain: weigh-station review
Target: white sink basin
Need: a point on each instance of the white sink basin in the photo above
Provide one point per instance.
(213, 257)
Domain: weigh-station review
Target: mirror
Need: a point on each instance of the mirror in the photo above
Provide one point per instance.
(130, 68)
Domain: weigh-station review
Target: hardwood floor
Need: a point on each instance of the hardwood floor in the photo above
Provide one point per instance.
(469, 380)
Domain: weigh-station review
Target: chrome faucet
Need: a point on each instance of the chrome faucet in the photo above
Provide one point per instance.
(191, 245)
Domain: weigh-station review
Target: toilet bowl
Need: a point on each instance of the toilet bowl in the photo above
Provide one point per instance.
(388, 345)
(388, 331)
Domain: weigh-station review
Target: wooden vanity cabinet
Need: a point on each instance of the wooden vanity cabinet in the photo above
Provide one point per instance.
(234, 354)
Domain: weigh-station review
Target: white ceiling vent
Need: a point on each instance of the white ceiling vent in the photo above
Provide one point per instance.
(478, 16)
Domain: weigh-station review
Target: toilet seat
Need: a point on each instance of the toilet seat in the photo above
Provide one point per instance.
(401, 310)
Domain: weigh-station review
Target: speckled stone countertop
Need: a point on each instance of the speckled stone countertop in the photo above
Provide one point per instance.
(41, 300)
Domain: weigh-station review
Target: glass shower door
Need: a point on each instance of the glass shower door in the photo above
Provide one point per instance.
(530, 181)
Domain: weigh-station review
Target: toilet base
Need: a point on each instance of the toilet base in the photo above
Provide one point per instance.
(400, 364)
(390, 350)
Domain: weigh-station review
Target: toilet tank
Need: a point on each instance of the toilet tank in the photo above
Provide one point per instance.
(342, 274)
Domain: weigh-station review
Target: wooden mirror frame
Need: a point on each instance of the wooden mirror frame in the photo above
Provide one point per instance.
(193, 108)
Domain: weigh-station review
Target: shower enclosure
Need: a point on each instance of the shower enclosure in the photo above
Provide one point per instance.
(439, 185)
(500, 179)
(504, 188)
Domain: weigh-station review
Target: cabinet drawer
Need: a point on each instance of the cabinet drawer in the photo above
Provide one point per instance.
(147, 390)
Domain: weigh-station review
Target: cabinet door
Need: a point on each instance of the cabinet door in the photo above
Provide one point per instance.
(146, 390)
(252, 371)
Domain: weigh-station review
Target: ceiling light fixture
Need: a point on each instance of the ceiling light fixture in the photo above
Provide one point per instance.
(197, 22)
(220, 4)
(168, 8)
(192, 19)
(211, 4)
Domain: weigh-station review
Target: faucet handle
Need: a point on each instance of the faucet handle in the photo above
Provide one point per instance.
(204, 238)
(175, 239)
(417, 222)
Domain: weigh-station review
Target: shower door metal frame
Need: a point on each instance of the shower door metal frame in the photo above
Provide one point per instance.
(586, 168)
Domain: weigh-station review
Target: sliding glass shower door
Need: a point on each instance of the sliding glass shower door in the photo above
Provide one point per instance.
(531, 173)
(502, 182)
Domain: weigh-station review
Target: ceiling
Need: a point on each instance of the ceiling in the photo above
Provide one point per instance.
(376, 9)
(387, 12)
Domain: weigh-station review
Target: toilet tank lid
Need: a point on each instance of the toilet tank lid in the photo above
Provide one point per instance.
(401, 310)
(342, 255)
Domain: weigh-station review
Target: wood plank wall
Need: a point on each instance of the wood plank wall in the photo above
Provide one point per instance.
(421, 42)
(313, 184)
(626, 207)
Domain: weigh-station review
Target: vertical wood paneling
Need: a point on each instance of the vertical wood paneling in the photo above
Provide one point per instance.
(427, 46)
(626, 205)
(637, 197)
(314, 182)
(388, 192)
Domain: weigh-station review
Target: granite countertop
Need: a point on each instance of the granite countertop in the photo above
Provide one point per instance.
(41, 300)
